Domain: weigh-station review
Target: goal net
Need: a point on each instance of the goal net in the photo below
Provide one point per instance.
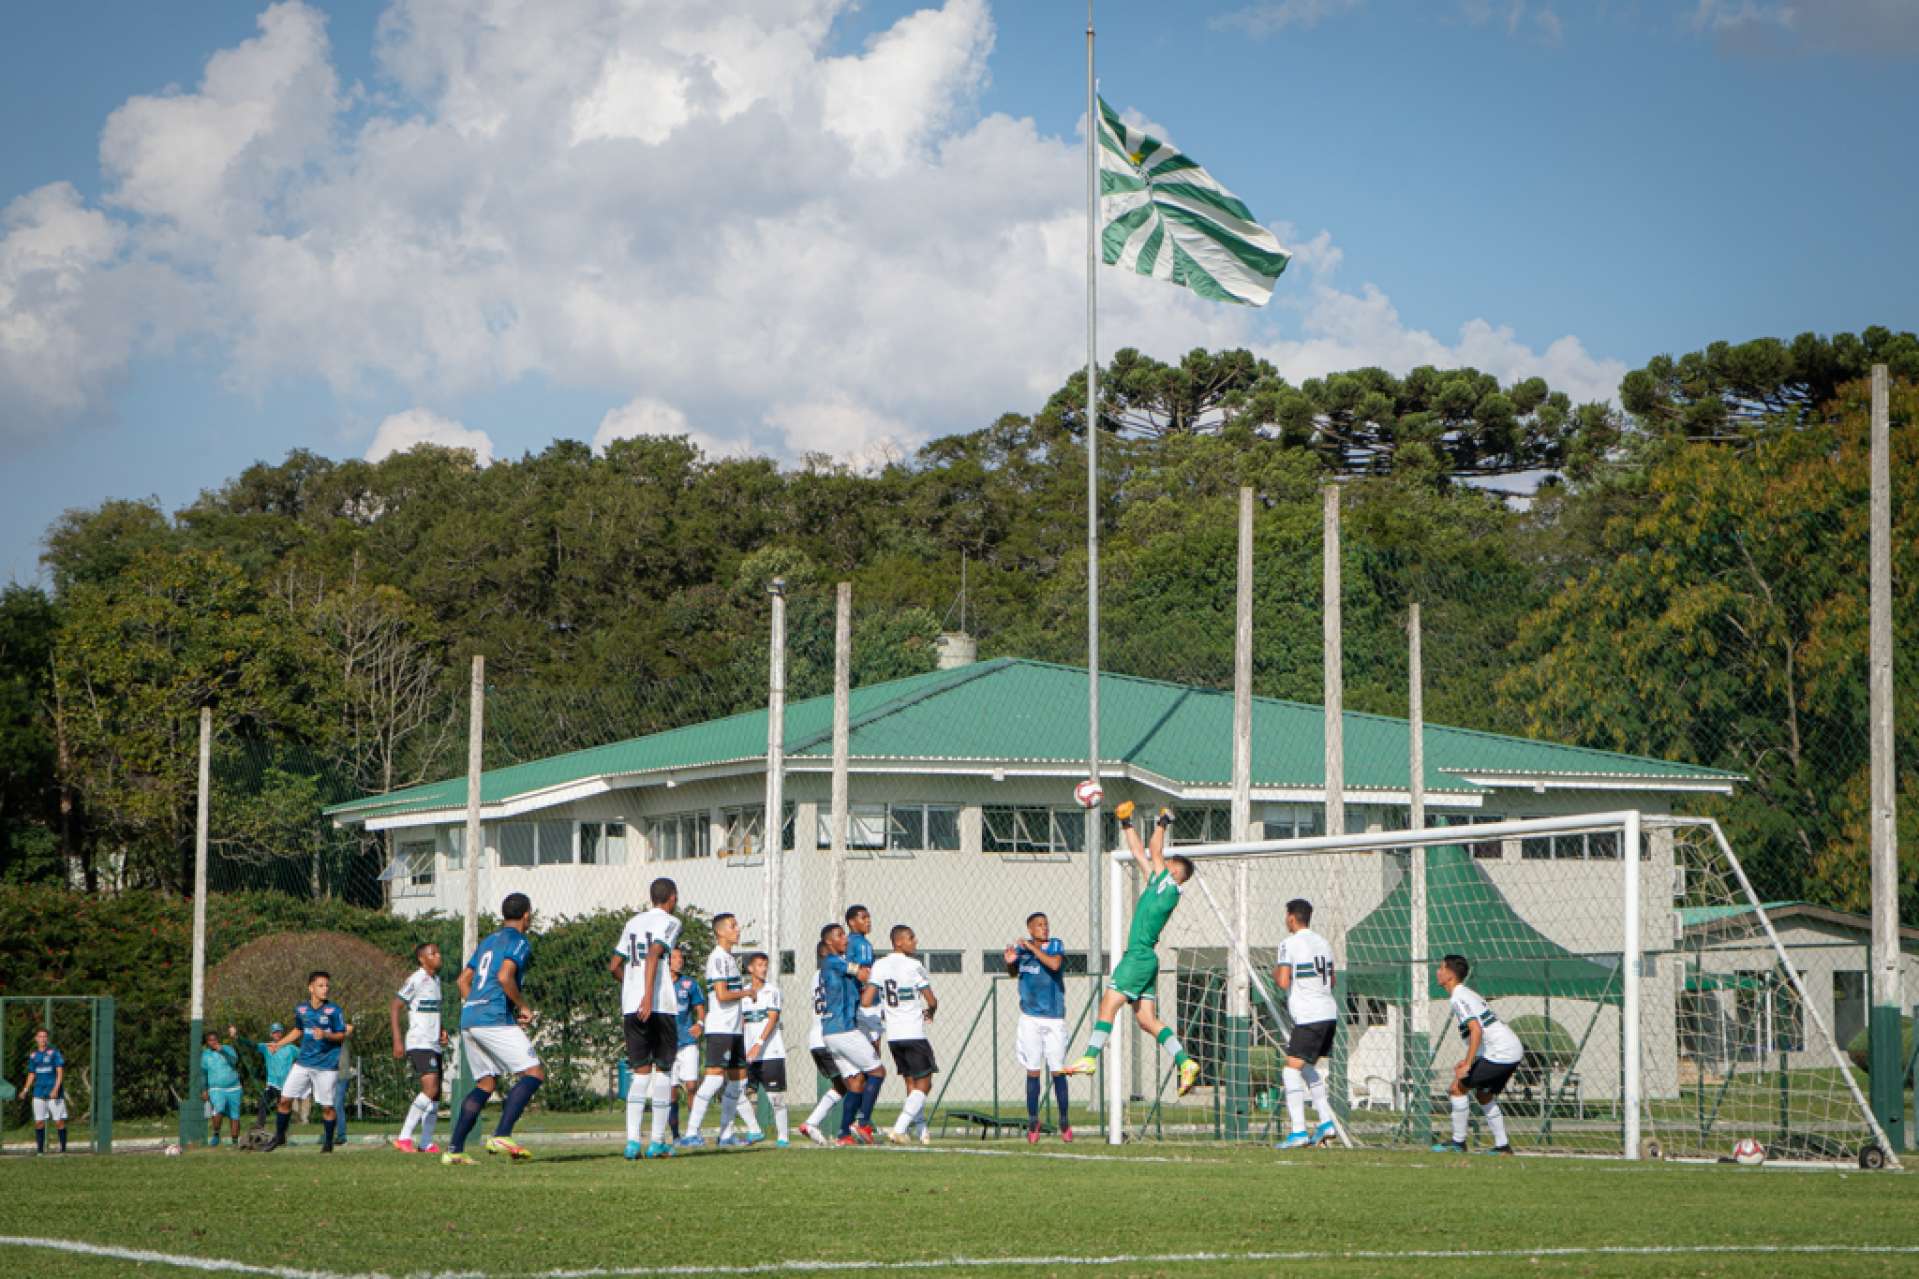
(1664, 1011)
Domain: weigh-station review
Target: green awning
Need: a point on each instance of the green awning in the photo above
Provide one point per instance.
(1467, 915)
(1699, 983)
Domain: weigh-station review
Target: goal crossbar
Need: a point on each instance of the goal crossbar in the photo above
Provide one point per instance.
(1387, 840)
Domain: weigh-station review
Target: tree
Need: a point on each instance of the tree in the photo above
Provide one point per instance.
(1729, 393)
(29, 805)
(1727, 626)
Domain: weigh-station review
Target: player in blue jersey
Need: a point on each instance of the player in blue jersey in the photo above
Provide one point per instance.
(319, 1027)
(220, 1083)
(1038, 960)
(279, 1064)
(691, 1022)
(860, 956)
(854, 1057)
(494, 1016)
(48, 1071)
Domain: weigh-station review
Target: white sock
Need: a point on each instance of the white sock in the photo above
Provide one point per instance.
(749, 1112)
(1459, 1120)
(429, 1116)
(910, 1112)
(1316, 1089)
(709, 1089)
(1495, 1121)
(636, 1090)
(729, 1107)
(1295, 1098)
(777, 1100)
(661, 1094)
(413, 1116)
(829, 1099)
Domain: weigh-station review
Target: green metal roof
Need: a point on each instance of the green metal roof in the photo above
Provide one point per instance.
(1023, 713)
(1693, 916)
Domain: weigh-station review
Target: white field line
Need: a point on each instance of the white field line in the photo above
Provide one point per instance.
(846, 1266)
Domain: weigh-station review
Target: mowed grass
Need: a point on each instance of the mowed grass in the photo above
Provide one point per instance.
(578, 1206)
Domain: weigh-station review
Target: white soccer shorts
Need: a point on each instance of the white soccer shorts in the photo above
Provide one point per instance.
(321, 1085)
(49, 1108)
(686, 1064)
(1042, 1043)
(493, 1051)
(853, 1053)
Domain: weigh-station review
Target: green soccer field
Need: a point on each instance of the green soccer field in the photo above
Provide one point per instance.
(995, 1208)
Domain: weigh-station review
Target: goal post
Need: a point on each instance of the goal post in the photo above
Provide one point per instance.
(1662, 1011)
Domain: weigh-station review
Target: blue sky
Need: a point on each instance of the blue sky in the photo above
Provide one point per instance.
(851, 228)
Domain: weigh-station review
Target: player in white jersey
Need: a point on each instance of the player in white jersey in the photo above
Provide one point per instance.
(725, 1040)
(765, 1041)
(1305, 973)
(648, 1004)
(823, 1063)
(420, 1046)
(1493, 1053)
(905, 998)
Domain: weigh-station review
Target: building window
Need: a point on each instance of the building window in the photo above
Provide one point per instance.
(1294, 821)
(602, 843)
(411, 871)
(943, 961)
(913, 828)
(742, 830)
(1008, 829)
(518, 842)
(1487, 850)
(1601, 845)
(786, 963)
(1363, 1011)
(680, 837)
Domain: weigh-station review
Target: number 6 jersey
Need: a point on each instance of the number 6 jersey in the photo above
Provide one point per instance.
(899, 980)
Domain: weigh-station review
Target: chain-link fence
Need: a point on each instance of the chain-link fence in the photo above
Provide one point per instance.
(1684, 632)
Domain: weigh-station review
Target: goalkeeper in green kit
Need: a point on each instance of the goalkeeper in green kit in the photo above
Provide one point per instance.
(1138, 971)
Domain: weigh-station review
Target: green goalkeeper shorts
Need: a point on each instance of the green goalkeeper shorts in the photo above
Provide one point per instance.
(1136, 975)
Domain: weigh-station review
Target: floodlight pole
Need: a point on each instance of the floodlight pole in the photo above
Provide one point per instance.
(1884, 1041)
(1414, 1052)
(1239, 1008)
(775, 860)
(1334, 664)
(193, 1115)
(842, 734)
(474, 841)
(1630, 966)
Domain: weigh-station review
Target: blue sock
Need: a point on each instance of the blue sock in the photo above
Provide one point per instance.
(849, 1111)
(40, 1140)
(1032, 1099)
(673, 1119)
(871, 1097)
(1060, 1095)
(469, 1115)
(523, 1089)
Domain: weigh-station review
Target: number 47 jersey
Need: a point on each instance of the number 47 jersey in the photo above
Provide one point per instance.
(1310, 997)
(901, 983)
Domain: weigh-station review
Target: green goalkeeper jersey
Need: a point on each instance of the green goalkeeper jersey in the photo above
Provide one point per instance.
(1154, 909)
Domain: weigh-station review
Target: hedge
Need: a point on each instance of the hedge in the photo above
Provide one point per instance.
(137, 947)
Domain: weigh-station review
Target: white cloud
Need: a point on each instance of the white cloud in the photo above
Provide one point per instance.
(706, 206)
(1273, 16)
(400, 432)
(1879, 28)
(648, 416)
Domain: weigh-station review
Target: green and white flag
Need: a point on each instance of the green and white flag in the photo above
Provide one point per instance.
(1164, 216)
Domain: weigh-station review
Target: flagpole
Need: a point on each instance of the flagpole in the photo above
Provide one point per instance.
(1095, 952)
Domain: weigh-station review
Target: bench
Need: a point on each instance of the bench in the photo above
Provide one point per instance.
(989, 1125)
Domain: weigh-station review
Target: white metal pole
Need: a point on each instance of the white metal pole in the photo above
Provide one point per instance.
(1335, 683)
(1629, 1091)
(774, 880)
(1239, 973)
(199, 1000)
(475, 764)
(1094, 825)
(1885, 834)
(1419, 962)
(842, 733)
(1115, 1053)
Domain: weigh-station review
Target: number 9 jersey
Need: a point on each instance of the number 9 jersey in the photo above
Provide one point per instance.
(486, 1004)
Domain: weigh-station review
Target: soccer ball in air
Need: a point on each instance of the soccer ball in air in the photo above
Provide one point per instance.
(1749, 1152)
(172, 1148)
(1088, 793)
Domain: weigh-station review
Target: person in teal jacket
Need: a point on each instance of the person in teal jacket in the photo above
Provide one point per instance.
(220, 1073)
(279, 1061)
